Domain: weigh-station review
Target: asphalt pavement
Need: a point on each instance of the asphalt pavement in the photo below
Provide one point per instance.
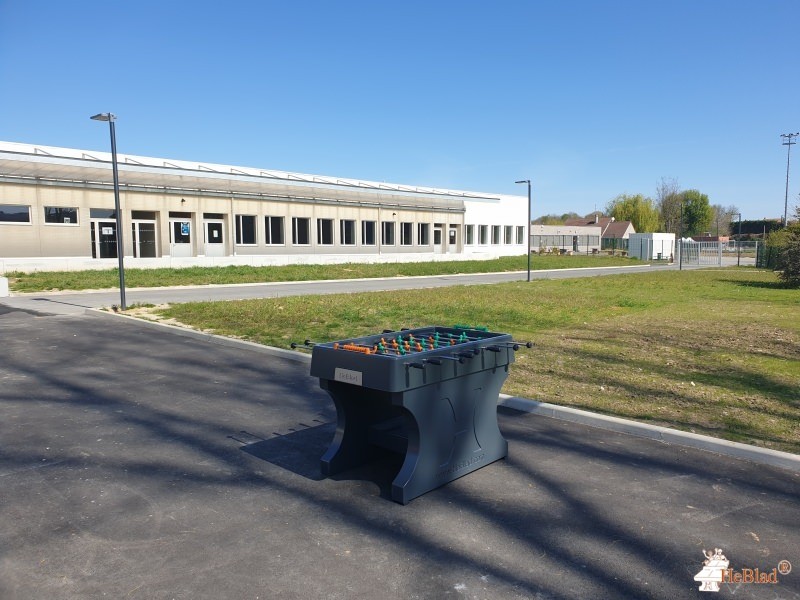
(136, 463)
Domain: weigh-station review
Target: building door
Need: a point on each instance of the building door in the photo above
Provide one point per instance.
(104, 239)
(437, 238)
(180, 237)
(144, 239)
(215, 243)
(452, 239)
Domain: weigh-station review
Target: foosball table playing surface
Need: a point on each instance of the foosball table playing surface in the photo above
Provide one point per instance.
(429, 394)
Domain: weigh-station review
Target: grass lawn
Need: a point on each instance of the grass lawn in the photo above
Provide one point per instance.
(711, 351)
(94, 280)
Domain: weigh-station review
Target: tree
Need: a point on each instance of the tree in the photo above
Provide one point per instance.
(723, 217)
(697, 213)
(555, 219)
(668, 202)
(789, 254)
(637, 209)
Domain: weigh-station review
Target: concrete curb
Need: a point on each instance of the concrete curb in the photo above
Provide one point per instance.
(764, 456)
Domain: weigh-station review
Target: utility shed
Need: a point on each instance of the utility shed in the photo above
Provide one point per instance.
(652, 246)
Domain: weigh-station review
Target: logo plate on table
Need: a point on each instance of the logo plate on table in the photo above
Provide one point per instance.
(347, 376)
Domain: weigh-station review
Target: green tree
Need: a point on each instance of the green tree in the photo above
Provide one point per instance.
(697, 213)
(789, 254)
(637, 209)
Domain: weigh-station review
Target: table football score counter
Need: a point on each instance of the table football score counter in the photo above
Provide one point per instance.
(429, 394)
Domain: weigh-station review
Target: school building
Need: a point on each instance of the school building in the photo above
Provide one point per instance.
(57, 213)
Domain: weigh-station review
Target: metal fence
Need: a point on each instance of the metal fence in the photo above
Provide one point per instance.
(711, 253)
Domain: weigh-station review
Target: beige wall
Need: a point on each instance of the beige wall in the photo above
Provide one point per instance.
(40, 239)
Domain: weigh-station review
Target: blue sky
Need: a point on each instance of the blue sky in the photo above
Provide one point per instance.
(587, 99)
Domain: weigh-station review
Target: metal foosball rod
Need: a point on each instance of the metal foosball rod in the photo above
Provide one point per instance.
(306, 344)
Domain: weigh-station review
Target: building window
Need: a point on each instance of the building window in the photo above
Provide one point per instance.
(520, 234)
(483, 234)
(245, 230)
(423, 234)
(325, 232)
(301, 231)
(60, 215)
(347, 232)
(469, 234)
(495, 234)
(387, 233)
(273, 230)
(508, 234)
(15, 213)
(367, 233)
(107, 213)
(406, 234)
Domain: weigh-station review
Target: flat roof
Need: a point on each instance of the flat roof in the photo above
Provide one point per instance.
(74, 165)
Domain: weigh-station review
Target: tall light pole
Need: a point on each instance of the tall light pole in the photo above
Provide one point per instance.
(528, 228)
(788, 142)
(110, 117)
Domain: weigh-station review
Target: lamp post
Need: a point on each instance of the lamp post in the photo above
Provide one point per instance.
(789, 137)
(528, 228)
(739, 242)
(110, 117)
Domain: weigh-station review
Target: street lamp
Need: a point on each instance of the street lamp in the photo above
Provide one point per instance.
(528, 228)
(789, 137)
(110, 117)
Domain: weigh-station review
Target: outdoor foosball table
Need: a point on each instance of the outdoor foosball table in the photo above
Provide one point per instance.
(429, 394)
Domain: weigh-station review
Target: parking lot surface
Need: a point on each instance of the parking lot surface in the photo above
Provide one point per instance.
(135, 463)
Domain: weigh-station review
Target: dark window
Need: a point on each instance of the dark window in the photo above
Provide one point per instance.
(300, 231)
(495, 234)
(387, 233)
(508, 232)
(273, 228)
(348, 232)
(213, 216)
(143, 215)
(15, 213)
(520, 234)
(406, 234)
(483, 234)
(423, 234)
(62, 215)
(469, 234)
(106, 213)
(245, 230)
(367, 233)
(325, 232)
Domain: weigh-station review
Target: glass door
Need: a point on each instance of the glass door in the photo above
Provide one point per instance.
(180, 237)
(144, 239)
(215, 242)
(104, 239)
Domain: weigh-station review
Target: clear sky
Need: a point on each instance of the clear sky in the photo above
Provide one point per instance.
(587, 99)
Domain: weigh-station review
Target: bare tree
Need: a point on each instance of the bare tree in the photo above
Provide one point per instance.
(723, 217)
(668, 203)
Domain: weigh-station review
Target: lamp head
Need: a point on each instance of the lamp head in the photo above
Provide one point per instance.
(104, 117)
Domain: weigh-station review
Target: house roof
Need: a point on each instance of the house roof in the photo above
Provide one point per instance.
(609, 227)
